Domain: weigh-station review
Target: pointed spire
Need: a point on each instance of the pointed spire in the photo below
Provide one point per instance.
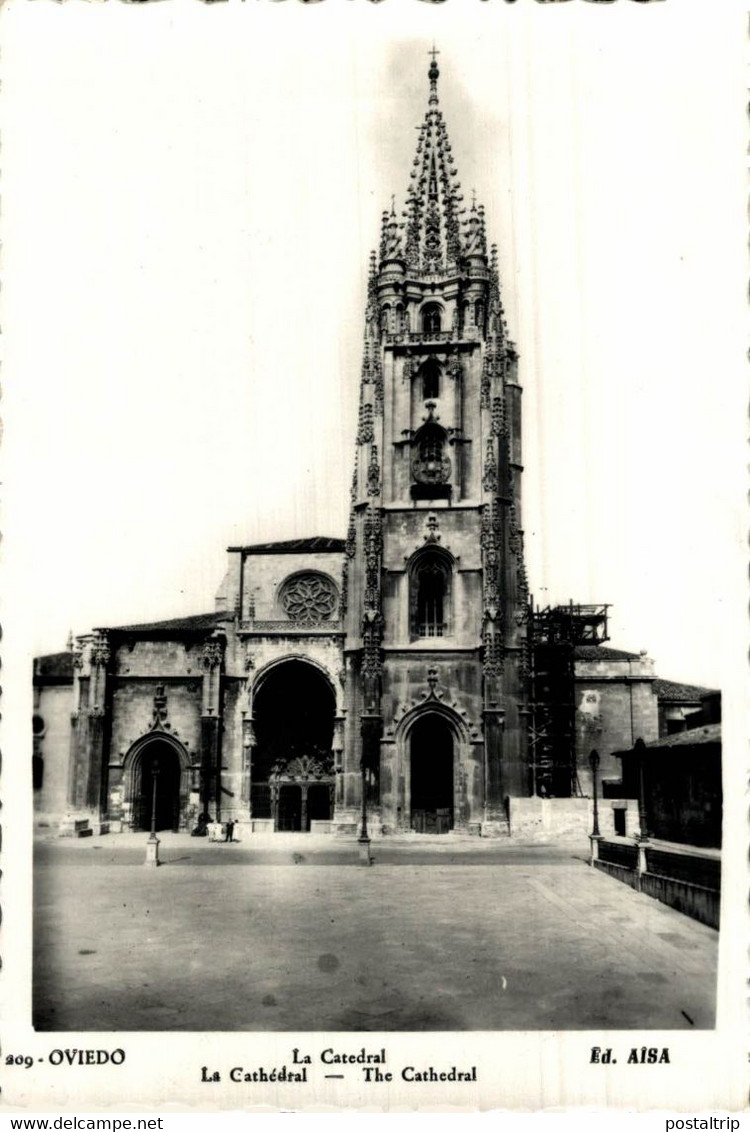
(432, 237)
(435, 234)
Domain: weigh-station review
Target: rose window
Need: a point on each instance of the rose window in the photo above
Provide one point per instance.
(309, 597)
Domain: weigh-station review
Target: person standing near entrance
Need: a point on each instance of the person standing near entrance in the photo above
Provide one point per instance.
(229, 831)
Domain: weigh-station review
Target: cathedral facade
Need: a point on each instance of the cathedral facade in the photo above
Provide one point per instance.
(393, 669)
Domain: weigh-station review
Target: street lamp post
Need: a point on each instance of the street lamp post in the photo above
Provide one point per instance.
(364, 837)
(595, 836)
(152, 845)
(639, 748)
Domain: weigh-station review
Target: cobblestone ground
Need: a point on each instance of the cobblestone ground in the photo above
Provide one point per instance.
(301, 937)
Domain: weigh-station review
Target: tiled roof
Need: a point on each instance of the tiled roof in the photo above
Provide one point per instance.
(685, 693)
(55, 668)
(195, 623)
(318, 544)
(693, 737)
(602, 652)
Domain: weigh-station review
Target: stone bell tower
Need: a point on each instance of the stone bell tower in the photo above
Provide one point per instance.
(435, 587)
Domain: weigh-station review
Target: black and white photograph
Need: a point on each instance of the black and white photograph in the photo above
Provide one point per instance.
(375, 619)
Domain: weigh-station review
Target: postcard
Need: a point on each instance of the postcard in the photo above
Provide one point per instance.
(374, 591)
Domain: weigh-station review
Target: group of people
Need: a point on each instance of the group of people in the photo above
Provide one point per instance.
(214, 830)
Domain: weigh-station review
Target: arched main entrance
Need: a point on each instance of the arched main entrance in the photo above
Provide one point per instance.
(161, 754)
(431, 761)
(292, 771)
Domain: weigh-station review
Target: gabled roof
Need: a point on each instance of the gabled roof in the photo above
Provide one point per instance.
(602, 652)
(683, 693)
(318, 544)
(196, 623)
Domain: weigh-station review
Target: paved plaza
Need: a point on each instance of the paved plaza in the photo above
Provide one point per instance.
(292, 933)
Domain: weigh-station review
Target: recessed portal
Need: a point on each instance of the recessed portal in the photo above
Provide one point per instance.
(292, 770)
(431, 776)
(161, 754)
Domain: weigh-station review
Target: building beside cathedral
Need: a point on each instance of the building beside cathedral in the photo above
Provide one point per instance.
(406, 659)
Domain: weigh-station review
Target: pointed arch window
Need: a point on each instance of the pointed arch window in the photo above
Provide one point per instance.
(430, 594)
(432, 316)
(430, 375)
(479, 314)
(385, 318)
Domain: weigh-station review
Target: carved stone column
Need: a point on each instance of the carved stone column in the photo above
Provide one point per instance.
(303, 808)
(337, 750)
(212, 657)
(97, 784)
(494, 804)
(248, 747)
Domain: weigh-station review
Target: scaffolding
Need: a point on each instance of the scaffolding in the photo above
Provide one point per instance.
(556, 631)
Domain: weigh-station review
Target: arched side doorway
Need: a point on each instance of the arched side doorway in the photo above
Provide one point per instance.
(431, 756)
(160, 754)
(292, 773)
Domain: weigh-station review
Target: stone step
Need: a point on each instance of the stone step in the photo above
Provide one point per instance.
(496, 828)
(74, 827)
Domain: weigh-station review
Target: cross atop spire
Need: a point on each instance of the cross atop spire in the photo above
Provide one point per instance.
(433, 75)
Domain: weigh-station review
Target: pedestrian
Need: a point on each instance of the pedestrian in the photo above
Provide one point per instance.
(229, 831)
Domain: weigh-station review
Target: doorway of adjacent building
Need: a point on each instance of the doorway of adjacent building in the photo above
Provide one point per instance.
(159, 754)
(431, 752)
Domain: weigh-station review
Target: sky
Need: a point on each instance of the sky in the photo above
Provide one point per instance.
(190, 196)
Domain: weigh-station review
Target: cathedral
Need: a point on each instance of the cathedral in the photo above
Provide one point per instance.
(401, 671)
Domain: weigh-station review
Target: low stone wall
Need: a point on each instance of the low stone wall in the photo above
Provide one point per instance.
(700, 903)
(679, 891)
(567, 819)
(619, 872)
(550, 819)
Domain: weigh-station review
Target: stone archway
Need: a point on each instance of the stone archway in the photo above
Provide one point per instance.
(432, 800)
(163, 753)
(294, 709)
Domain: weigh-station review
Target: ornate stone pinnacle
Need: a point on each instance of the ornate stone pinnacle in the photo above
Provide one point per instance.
(433, 75)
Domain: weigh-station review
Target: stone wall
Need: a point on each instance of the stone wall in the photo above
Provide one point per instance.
(263, 576)
(133, 712)
(615, 705)
(568, 820)
(52, 708)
